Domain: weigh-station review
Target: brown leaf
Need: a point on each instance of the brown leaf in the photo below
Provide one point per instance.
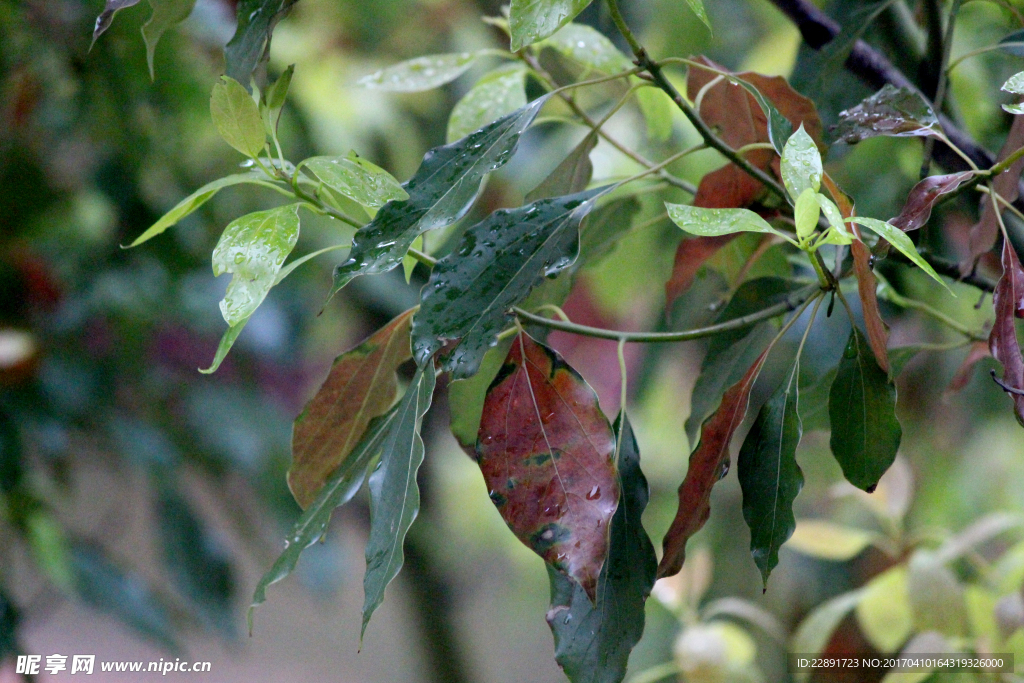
(741, 121)
(546, 452)
(985, 232)
(918, 208)
(360, 386)
(963, 374)
(691, 254)
(709, 462)
(1008, 300)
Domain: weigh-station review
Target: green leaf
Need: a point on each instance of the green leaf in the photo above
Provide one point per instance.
(533, 20)
(779, 128)
(589, 47)
(604, 227)
(801, 164)
(253, 248)
(277, 93)
(498, 93)
(497, 263)
(466, 396)
(698, 8)
(421, 73)
(571, 175)
(409, 261)
(657, 110)
(806, 213)
(166, 13)
(862, 411)
(394, 494)
(593, 639)
(123, 594)
(50, 548)
(226, 342)
(440, 192)
(197, 199)
(338, 490)
(828, 541)
(9, 620)
(715, 222)
(250, 46)
(1015, 109)
(770, 477)
(357, 179)
(237, 117)
(199, 565)
(899, 239)
(106, 17)
(883, 612)
(817, 628)
(1014, 84)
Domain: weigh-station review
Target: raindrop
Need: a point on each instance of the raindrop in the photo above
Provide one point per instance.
(594, 493)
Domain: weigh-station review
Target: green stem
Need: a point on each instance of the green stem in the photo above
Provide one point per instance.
(793, 301)
(1002, 200)
(426, 259)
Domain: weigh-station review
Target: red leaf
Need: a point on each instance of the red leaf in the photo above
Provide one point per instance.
(1008, 299)
(545, 450)
(691, 254)
(985, 232)
(709, 462)
(963, 374)
(918, 208)
(741, 121)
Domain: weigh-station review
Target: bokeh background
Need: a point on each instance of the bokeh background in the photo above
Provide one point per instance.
(140, 500)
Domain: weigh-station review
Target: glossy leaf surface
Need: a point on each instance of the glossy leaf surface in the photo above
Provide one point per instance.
(770, 477)
(533, 20)
(862, 411)
(801, 164)
(360, 386)
(593, 639)
(357, 179)
(899, 239)
(571, 175)
(918, 208)
(249, 48)
(498, 93)
(339, 489)
(1008, 301)
(440, 192)
(709, 462)
(545, 450)
(421, 73)
(166, 14)
(891, 111)
(717, 222)
(106, 17)
(497, 263)
(237, 117)
(589, 47)
(253, 248)
(394, 493)
(227, 340)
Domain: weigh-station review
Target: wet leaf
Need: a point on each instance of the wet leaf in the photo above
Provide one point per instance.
(357, 179)
(440, 192)
(698, 8)
(891, 111)
(166, 14)
(498, 93)
(978, 351)
(360, 387)
(589, 47)
(815, 631)
(828, 541)
(199, 565)
(339, 489)
(867, 289)
(226, 342)
(899, 239)
(801, 165)
(717, 222)
(421, 73)
(1008, 301)
(918, 208)
(394, 493)
(593, 639)
(197, 199)
(862, 411)
(1014, 84)
(106, 17)
(249, 48)
(691, 254)
(883, 612)
(533, 20)
(806, 213)
(237, 117)
(124, 595)
(545, 450)
(936, 597)
(253, 248)
(571, 175)
(709, 462)
(770, 477)
(985, 232)
(497, 263)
